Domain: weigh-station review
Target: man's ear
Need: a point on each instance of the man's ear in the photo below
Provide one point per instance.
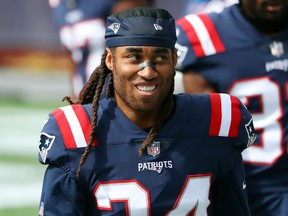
(109, 59)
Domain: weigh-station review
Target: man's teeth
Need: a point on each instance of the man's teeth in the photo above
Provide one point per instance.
(146, 88)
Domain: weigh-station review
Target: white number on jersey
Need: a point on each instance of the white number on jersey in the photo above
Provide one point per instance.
(194, 197)
(266, 120)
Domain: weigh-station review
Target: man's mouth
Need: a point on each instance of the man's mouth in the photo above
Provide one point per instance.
(146, 88)
(274, 6)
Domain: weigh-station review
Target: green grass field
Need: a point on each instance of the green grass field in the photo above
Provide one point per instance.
(24, 211)
(13, 162)
(27, 95)
(21, 174)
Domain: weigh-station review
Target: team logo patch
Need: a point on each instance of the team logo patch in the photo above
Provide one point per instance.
(276, 49)
(158, 27)
(114, 27)
(181, 53)
(45, 144)
(250, 132)
(154, 149)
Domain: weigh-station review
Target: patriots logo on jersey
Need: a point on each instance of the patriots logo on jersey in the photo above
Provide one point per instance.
(250, 132)
(45, 144)
(181, 53)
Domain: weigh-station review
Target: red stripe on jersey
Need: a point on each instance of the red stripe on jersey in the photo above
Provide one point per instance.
(84, 122)
(236, 117)
(216, 114)
(215, 38)
(64, 128)
(192, 36)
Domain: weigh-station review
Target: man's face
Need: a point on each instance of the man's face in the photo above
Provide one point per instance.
(141, 90)
(266, 10)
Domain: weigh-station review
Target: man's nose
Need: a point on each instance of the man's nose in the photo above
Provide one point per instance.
(147, 70)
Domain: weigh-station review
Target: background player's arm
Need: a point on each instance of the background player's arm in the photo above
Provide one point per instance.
(126, 4)
(196, 83)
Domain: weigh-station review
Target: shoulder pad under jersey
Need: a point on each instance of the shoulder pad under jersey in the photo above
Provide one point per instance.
(230, 118)
(65, 129)
(197, 37)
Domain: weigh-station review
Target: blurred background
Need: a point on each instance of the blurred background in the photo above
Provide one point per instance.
(34, 76)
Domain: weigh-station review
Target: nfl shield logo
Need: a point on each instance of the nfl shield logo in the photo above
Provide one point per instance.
(154, 149)
(276, 49)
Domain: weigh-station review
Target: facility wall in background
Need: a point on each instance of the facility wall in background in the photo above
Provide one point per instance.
(28, 25)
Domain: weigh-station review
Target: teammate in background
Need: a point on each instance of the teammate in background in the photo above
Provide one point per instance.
(81, 25)
(243, 51)
(206, 6)
(143, 150)
(199, 6)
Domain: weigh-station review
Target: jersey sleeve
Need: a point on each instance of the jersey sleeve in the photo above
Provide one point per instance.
(230, 194)
(186, 55)
(230, 118)
(65, 129)
(61, 194)
(197, 38)
(52, 149)
(62, 142)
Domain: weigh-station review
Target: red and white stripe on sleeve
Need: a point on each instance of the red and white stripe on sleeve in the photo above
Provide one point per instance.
(74, 126)
(202, 34)
(225, 115)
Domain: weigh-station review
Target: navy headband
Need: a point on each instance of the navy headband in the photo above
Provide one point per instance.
(141, 27)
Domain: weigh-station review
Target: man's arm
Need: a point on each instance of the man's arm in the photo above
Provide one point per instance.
(121, 5)
(230, 195)
(195, 83)
(61, 195)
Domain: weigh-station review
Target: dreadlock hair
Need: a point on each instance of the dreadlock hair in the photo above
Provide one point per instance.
(91, 93)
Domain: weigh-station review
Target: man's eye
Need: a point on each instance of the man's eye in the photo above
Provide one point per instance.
(134, 58)
(160, 58)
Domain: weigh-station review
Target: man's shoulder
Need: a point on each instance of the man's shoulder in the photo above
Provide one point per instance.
(66, 128)
(219, 115)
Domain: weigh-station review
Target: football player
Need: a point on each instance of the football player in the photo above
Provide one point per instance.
(143, 150)
(81, 25)
(206, 6)
(243, 51)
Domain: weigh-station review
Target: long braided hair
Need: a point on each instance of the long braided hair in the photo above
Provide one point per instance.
(91, 93)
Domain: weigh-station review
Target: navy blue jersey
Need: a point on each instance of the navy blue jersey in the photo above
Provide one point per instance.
(194, 167)
(205, 6)
(237, 59)
(66, 12)
(81, 25)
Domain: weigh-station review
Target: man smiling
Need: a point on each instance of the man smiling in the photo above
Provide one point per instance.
(143, 150)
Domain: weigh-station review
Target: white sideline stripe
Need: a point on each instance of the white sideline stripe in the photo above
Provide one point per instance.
(20, 185)
(75, 126)
(226, 115)
(20, 129)
(202, 33)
